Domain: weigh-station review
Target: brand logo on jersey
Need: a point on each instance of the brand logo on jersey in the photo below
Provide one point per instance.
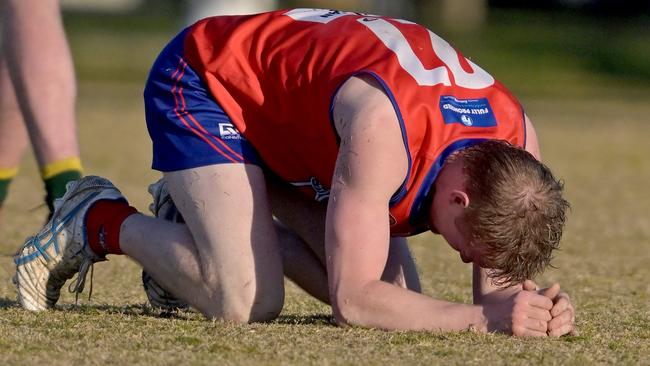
(468, 112)
(228, 131)
(322, 193)
(320, 15)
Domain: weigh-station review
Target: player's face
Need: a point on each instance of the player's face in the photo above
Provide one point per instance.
(450, 226)
(447, 209)
(460, 241)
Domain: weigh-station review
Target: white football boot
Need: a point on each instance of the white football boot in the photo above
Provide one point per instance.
(162, 207)
(60, 249)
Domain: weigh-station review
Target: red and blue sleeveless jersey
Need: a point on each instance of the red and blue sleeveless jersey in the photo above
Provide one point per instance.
(276, 74)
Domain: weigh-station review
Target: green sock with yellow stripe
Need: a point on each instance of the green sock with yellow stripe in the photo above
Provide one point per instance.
(56, 175)
(6, 176)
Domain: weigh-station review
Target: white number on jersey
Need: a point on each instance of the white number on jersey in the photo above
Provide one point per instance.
(392, 38)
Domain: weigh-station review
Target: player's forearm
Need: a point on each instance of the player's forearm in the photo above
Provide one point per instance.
(484, 289)
(385, 306)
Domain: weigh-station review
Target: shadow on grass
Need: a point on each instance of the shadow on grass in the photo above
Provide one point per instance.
(145, 310)
(134, 309)
(6, 303)
(142, 310)
(314, 319)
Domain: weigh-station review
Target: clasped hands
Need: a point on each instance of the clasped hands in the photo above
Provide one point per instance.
(533, 312)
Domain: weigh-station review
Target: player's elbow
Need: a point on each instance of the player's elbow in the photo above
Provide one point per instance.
(346, 308)
(343, 314)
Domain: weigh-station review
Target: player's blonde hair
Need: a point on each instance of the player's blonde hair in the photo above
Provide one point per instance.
(516, 210)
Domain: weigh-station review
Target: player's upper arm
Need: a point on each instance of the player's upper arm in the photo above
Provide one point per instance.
(372, 155)
(532, 144)
(371, 165)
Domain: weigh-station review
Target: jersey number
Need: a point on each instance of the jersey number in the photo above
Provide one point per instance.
(394, 40)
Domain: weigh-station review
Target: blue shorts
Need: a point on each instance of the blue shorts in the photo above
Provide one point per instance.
(187, 126)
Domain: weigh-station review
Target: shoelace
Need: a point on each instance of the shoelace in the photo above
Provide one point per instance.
(77, 286)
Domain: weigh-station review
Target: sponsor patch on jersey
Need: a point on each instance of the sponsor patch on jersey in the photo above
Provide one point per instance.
(469, 112)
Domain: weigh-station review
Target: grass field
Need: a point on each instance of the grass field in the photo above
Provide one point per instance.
(593, 125)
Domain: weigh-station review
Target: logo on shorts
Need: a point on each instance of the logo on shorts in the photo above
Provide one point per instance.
(228, 131)
(322, 193)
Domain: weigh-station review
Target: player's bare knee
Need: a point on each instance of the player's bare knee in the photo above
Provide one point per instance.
(246, 305)
(229, 310)
(268, 309)
(268, 301)
(239, 316)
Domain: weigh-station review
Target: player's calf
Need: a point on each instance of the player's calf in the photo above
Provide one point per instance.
(163, 208)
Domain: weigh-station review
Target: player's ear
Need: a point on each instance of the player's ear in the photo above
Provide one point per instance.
(459, 197)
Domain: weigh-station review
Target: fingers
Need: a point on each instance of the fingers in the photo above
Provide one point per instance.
(531, 313)
(552, 291)
(558, 321)
(529, 285)
(536, 325)
(563, 321)
(558, 332)
(537, 320)
(546, 312)
(561, 325)
(562, 303)
(539, 314)
(540, 301)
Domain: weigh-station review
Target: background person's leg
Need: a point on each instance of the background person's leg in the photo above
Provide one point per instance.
(226, 262)
(40, 64)
(13, 136)
(39, 59)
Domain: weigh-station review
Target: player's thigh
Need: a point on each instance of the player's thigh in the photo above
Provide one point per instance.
(304, 216)
(227, 210)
